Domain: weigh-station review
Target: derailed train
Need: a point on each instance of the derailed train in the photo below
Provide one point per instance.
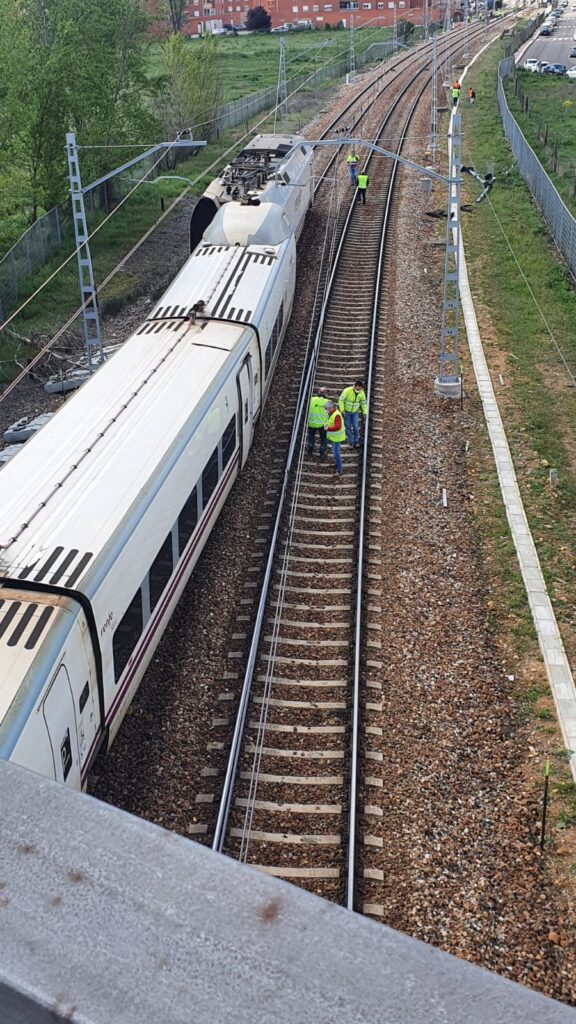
(105, 511)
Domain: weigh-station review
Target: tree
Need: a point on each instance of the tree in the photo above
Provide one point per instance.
(81, 67)
(188, 90)
(177, 13)
(405, 29)
(258, 19)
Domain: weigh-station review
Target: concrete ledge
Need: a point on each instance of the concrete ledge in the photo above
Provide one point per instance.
(106, 919)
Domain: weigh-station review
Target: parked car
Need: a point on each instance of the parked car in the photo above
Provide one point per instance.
(571, 73)
(573, 52)
(532, 64)
(554, 69)
(545, 30)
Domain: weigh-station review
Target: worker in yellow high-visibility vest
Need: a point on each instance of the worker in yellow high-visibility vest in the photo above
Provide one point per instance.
(317, 419)
(352, 401)
(363, 180)
(336, 433)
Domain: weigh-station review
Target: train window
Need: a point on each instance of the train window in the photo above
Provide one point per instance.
(187, 520)
(280, 317)
(268, 359)
(274, 336)
(84, 697)
(210, 477)
(228, 442)
(127, 634)
(161, 571)
(66, 755)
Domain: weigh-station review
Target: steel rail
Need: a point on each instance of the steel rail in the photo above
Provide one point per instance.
(235, 749)
(401, 64)
(422, 51)
(356, 682)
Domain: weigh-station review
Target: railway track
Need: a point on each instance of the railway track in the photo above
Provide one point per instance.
(307, 732)
(178, 783)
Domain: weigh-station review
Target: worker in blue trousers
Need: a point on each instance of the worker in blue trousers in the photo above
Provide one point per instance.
(351, 403)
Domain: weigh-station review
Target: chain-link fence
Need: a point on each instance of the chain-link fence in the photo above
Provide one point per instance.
(560, 221)
(32, 250)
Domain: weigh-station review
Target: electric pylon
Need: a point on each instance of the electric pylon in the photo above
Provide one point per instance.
(91, 316)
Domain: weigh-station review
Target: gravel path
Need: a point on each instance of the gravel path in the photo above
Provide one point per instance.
(461, 811)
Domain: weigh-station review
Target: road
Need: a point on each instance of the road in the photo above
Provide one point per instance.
(556, 48)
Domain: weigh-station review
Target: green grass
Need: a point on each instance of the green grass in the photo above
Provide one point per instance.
(537, 401)
(547, 104)
(250, 63)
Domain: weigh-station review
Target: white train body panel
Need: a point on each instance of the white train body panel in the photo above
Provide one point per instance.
(105, 511)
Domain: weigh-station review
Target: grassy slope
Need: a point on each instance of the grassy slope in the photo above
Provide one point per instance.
(551, 102)
(537, 403)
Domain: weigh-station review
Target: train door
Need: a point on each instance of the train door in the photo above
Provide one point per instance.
(245, 384)
(60, 719)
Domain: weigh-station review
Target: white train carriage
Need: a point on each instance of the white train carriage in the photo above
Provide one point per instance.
(105, 512)
(263, 172)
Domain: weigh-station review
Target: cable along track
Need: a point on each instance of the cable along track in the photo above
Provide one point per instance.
(290, 803)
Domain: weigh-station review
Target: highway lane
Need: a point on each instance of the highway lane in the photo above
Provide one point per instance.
(556, 48)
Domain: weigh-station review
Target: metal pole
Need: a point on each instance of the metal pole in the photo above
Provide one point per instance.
(447, 26)
(544, 805)
(91, 316)
(282, 91)
(448, 383)
(426, 20)
(466, 41)
(395, 32)
(352, 69)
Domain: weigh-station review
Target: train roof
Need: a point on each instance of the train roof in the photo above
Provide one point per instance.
(260, 166)
(231, 281)
(279, 144)
(63, 496)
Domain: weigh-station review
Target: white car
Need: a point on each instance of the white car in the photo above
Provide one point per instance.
(571, 73)
(532, 64)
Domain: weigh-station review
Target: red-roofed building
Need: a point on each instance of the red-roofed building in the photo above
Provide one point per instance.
(212, 16)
